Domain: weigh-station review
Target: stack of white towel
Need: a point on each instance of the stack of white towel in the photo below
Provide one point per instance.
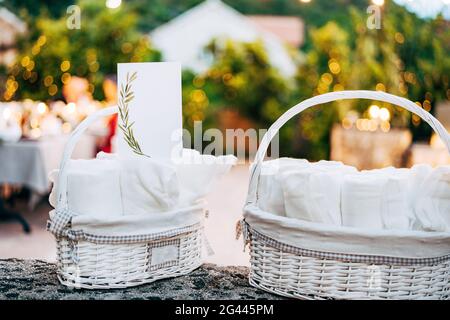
(109, 186)
(333, 193)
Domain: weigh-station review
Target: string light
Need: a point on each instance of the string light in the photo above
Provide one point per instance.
(374, 111)
(334, 66)
(373, 125)
(399, 37)
(385, 115)
(25, 60)
(347, 123)
(113, 4)
(427, 105)
(42, 40)
(378, 2)
(385, 126)
(65, 78)
(327, 78)
(65, 65)
(41, 108)
(71, 107)
(52, 90)
(380, 87)
(48, 80)
(35, 50)
(6, 113)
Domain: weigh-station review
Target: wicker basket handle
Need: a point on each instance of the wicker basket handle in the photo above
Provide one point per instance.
(328, 97)
(68, 150)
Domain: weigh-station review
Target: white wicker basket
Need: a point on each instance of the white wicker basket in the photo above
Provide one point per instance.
(99, 261)
(308, 260)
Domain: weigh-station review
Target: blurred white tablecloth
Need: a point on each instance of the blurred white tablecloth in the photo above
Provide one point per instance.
(28, 162)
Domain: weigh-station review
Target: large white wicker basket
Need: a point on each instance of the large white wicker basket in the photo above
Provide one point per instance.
(308, 260)
(101, 261)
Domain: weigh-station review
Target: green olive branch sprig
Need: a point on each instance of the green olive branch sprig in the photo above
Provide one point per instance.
(126, 96)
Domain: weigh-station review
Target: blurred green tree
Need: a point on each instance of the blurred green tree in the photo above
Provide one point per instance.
(423, 46)
(327, 67)
(241, 79)
(30, 9)
(399, 58)
(407, 56)
(52, 53)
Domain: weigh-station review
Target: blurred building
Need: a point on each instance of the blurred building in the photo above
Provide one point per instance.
(184, 38)
(288, 29)
(11, 26)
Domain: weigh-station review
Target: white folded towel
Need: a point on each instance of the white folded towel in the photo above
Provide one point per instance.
(109, 185)
(395, 209)
(197, 173)
(361, 200)
(417, 174)
(432, 205)
(94, 187)
(313, 195)
(271, 196)
(379, 199)
(147, 186)
(270, 191)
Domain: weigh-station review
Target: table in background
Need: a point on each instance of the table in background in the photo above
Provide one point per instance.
(28, 162)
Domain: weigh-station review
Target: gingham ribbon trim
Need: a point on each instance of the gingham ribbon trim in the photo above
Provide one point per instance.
(78, 235)
(369, 259)
(60, 221)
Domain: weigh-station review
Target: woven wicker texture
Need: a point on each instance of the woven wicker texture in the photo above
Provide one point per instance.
(298, 276)
(88, 265)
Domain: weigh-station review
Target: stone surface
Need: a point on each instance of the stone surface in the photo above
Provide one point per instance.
(34, 279)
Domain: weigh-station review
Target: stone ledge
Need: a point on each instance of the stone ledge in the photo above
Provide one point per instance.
(34, 279)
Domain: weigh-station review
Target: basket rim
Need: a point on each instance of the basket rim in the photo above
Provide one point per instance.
(348, 240)
(170, 234)
(129, 225)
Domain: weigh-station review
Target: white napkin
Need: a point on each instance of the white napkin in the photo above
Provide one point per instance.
(197, 173)
(93, 187)
(147, 186)
(432, 205)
